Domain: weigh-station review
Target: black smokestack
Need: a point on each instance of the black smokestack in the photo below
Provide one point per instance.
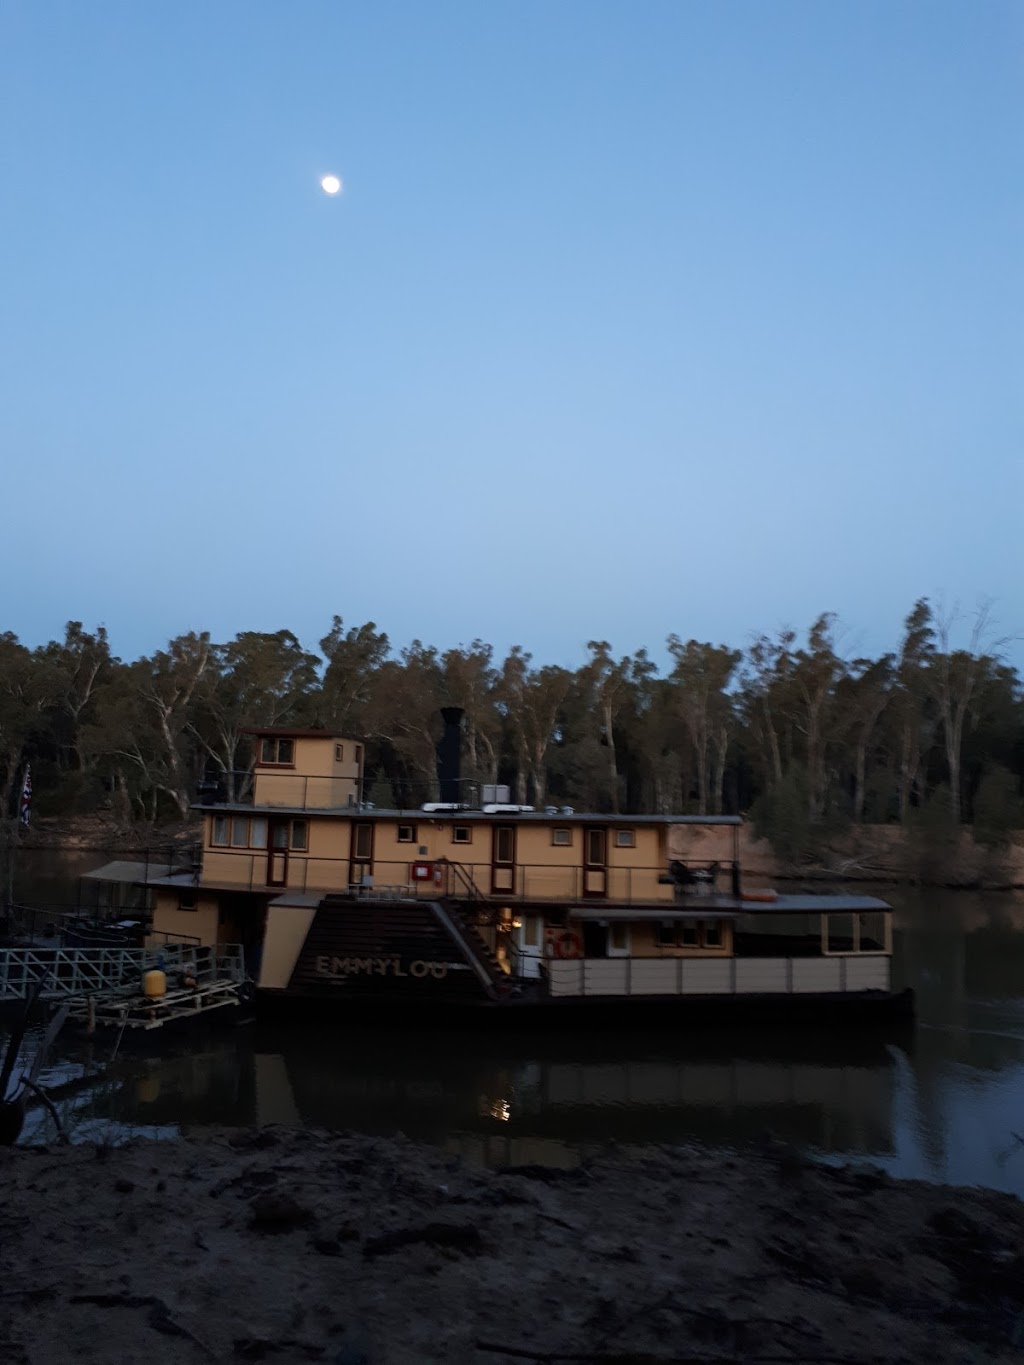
(449, 754)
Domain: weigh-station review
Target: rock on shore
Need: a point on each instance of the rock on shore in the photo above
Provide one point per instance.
(285, 1246)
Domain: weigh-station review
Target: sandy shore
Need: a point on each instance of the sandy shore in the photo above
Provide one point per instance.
(293, 1246)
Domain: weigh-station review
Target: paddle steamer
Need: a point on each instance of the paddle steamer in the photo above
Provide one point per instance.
(474, 902)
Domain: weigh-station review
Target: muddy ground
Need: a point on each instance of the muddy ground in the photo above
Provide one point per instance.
(284, 1246)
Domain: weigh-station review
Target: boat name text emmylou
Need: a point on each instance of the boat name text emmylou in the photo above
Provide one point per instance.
(379, 966)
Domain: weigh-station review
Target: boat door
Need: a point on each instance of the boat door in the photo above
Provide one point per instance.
(361, 869)
(530, 943)
(595, 862)
(277, 853)
(503, 858)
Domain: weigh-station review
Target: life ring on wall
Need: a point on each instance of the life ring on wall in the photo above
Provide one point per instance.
(567, 944)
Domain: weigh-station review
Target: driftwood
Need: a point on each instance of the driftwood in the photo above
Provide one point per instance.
(14, 1099)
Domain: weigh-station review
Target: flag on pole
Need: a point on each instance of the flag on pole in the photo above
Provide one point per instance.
(26, 798)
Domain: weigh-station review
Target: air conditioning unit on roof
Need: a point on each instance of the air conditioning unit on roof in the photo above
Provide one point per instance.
(495, 794)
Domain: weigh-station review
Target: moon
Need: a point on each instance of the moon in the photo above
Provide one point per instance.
(330, 184)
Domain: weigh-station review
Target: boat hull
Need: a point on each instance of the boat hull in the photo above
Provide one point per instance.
(528, 1013)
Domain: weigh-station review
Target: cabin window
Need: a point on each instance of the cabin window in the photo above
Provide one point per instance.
(219, 832)
(666, 934)
(362, 842)
(618, 938)
(531, 931)
(188, 900)
(840, 933)
(713, 935)
(239, 833)
(871, 925)
(625, 838)
(258, 832)
(596, 845)
(689, 934)
(561, 838)
(504, 844)
(407, 835)
(279, 751)
(339, 753)
(300, 835)
(462, 834)
(359, 755)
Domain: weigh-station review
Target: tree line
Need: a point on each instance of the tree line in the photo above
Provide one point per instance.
(787, 728)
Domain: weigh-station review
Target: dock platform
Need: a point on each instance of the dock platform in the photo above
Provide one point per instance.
(103, 987)
(117, 1009)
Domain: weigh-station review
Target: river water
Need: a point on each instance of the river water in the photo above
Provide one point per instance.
(941, 1100)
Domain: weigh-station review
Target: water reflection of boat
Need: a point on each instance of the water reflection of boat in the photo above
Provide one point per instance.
(500, 1106)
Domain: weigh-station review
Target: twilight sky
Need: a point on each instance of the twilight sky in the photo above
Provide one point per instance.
(632, 318)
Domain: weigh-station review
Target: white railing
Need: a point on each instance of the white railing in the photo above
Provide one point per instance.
(83, 971)
(718, 976)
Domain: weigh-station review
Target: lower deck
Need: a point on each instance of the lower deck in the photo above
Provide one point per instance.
(375, 944)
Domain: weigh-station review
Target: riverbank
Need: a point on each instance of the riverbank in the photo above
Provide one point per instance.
(285, 1245)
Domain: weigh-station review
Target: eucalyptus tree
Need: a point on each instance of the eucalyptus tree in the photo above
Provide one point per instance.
(403, 714)
(531, 699)
(29, 687)
(605, 683)
(471, 682)
(766, 698)
(862, 696)
(255, 679)
(145, 719)
(817, 670)
(354, 658)
(912, 688)
(81, 663)
(700, 680)
(957, 677)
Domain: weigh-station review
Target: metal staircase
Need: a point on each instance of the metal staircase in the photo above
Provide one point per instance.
(455, 903)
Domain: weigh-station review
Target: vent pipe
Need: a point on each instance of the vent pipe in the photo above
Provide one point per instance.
(449, 754)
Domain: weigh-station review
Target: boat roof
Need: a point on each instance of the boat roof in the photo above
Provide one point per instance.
(468, 816)
(156, 872)
(731, 907)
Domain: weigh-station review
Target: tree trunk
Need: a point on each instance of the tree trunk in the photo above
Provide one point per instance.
(613, 771)
(718, 783)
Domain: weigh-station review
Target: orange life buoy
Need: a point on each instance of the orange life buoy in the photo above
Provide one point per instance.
(568, 945)
(761, 896)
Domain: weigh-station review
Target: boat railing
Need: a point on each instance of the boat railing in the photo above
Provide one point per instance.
(717, 976)
(466, 879)
(270, 789)
(62, 972)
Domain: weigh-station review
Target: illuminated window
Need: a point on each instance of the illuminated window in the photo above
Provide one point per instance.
(258, 832)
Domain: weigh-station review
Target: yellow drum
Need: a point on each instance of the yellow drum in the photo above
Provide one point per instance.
(154, 984)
